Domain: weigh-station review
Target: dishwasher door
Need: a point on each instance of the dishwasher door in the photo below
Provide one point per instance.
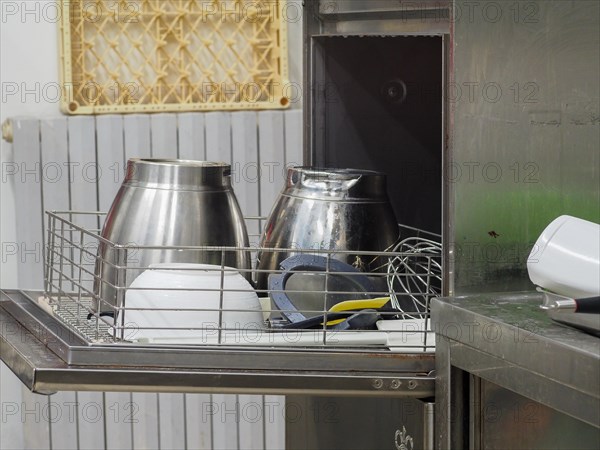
(359, 423)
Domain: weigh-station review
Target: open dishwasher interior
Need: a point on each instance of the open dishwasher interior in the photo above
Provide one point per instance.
(378, 105)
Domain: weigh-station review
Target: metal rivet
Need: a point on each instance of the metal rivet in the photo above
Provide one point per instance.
(396, 384)
(377, 383)
(412, 384)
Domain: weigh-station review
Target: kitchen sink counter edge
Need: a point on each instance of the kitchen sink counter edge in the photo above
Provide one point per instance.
(505, 338)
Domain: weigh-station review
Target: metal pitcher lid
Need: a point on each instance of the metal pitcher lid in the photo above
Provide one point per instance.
(177, 174)
(337, 184)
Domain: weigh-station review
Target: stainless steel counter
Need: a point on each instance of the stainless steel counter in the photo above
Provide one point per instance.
(506, 341)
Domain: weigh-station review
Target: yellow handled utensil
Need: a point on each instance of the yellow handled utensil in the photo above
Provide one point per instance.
(357, 305)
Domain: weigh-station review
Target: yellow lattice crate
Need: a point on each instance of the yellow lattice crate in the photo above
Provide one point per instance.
(125, 56)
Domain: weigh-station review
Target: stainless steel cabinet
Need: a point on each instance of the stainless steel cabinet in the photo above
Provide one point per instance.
(359, 423)
(509, 377)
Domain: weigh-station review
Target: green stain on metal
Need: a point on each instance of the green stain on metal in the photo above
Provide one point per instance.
(519, 216)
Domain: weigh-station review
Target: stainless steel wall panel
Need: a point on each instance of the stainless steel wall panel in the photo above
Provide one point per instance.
(525, 102)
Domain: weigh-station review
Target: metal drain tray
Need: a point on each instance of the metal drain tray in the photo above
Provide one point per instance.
(48, 356)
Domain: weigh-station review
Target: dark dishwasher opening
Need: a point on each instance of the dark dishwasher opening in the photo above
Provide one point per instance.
(378, 106)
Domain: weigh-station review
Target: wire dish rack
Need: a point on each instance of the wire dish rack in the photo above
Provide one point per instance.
(333, 303)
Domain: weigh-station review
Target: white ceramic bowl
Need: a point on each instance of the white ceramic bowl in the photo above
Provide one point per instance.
(168, 288)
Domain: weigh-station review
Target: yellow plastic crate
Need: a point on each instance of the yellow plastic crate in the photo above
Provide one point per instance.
(127, 56)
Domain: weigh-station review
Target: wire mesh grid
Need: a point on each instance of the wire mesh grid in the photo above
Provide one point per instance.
(173, 55)
(317, 299)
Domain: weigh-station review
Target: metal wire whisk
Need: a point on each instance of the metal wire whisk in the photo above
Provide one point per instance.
(414, 276)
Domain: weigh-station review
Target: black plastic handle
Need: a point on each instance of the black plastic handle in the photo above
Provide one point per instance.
(590, 305)
(363, 320)
(317, 321)
(103, 314)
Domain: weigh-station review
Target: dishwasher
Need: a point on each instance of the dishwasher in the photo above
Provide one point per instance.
(389, 117)
(431, 93)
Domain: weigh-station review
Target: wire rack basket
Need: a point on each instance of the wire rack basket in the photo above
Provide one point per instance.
(173, 55)
(330, 300)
